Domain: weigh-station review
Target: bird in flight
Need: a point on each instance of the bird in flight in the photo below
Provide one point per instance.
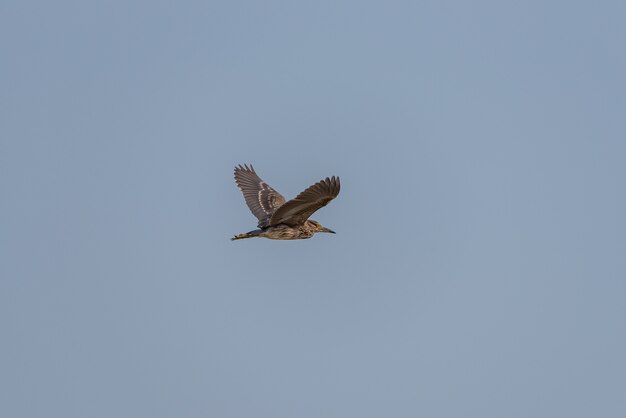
(279, 219)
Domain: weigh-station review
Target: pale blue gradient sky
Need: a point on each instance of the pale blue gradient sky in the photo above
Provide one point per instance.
(479, 265)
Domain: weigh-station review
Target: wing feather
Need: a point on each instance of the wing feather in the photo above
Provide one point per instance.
(259, 196)
(298, 209)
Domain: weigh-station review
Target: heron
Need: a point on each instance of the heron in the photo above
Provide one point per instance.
(278, 218)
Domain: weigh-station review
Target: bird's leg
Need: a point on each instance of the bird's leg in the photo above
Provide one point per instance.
(241, 236)
(250, 234)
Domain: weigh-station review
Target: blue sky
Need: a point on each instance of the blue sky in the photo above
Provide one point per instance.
(478, 268)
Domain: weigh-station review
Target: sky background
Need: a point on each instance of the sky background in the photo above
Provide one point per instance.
(479, 264)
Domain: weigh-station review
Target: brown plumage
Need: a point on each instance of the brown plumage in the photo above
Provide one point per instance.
(279, 219)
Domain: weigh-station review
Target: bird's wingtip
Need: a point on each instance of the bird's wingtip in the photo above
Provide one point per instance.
(244, 167)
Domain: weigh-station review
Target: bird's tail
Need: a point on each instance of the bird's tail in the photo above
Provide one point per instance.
(250, 234)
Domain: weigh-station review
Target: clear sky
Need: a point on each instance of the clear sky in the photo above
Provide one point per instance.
(479, 264)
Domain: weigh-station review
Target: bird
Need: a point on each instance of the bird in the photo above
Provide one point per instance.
(280, 219)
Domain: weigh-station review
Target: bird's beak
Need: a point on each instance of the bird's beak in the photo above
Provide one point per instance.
(324, 229)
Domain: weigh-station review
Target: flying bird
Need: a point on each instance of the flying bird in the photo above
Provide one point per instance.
(280, 219)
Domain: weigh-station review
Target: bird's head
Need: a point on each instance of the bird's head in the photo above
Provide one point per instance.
(319, 227)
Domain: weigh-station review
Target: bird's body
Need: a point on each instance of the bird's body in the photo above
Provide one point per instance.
(282, 231)
(279, 219)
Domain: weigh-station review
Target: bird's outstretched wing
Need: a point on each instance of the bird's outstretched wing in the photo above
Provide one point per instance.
(298, 210)
(260, 198)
